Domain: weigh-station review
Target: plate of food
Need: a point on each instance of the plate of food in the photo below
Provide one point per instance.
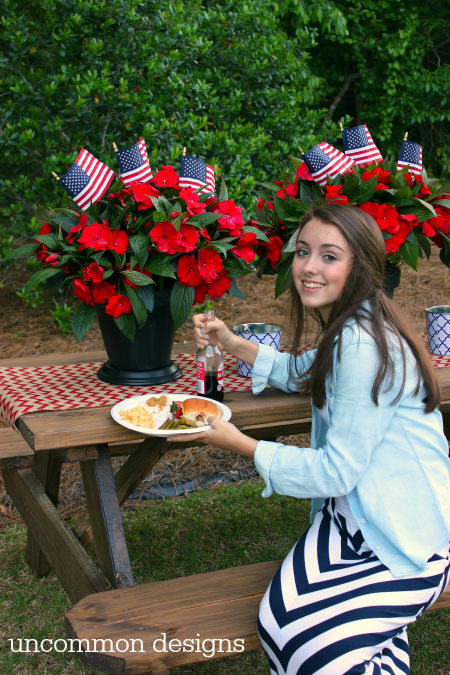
(168, 414)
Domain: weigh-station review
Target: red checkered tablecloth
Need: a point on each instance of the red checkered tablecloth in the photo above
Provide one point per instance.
(24, 390)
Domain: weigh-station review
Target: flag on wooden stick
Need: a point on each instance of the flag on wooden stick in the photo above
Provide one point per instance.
(410, 156)
(359, 145)
(133, 163)
(87, 180)
(195, 173)
(324, 160)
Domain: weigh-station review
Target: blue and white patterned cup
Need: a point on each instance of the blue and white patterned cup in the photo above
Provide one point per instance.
(259, 334)
(438, 329)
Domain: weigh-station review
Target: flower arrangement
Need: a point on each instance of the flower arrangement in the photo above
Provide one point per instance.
(137, 235)
(412, 210)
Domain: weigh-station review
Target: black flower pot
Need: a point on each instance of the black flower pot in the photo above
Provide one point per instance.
(146, 360)
(391, 279)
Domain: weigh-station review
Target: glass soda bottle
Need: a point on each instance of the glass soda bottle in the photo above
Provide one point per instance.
(209, 363)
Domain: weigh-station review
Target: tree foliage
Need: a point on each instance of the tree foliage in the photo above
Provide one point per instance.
(391, 70)
(240, 84)
(221, 78)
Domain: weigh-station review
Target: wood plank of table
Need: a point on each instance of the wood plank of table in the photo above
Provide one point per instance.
(50, 430)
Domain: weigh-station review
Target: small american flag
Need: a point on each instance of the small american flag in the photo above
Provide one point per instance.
(195, 173)
(359, 145)
(87, 180)
(410, 156)
(324, 160)
(133, 163)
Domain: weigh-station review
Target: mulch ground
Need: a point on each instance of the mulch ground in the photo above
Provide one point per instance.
(26, 330)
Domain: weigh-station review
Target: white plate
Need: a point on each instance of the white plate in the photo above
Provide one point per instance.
(135, 401)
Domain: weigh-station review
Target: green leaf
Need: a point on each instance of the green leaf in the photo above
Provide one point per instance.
(235, 291)
(49, 240)
(137, 277)
(223, 195)
(366, 190)
(23, 251)
(147, 295)
(205, 218)
(309, 195)
(127, 324)
(161, 265)
(82, 319)
(139, 308)
(181, 301)
(259, 233)
(39, 277)
(410, 251)
(289, 209)
(284, 277)
(65, 218)
(424, 243)
(444, 253)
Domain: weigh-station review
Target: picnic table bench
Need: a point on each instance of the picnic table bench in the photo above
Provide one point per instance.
(219, 605)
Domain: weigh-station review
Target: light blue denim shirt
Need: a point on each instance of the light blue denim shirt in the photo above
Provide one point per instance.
(390, 460)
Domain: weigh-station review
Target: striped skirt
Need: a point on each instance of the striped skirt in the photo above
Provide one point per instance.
(333, 608)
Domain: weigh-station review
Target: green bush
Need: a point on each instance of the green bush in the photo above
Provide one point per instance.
(220, 77)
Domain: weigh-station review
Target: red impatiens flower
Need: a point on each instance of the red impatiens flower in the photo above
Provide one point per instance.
(52, 259)
(97, 236)
(333, 193)
(220, 286)
(187, 271)
(210, 264)
(383, 178)
(166, 177)
(405, 224)
(119, 241)
(273, 247)
(193, 204)
(42, 251)
(102, 292)
(303, 172)
(289, 191)
(82, 291)
(82, 222)
(141, 193)
(245, 247)
(93, 272)
(189, 236)
(117, 305)
(232, 217)
(166, 237)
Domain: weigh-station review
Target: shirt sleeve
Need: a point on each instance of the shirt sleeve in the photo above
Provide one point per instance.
(273, 367)
(356, 427)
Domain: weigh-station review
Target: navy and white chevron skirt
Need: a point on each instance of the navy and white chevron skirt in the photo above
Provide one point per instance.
(334, 609)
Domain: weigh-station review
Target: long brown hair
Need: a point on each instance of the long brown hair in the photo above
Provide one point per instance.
(379, 314)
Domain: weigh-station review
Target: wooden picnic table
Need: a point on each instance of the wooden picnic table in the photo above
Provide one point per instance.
(91, 437)
(31, 465)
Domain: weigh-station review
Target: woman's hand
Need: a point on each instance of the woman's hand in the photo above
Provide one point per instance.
(221, 435)
(215, 332)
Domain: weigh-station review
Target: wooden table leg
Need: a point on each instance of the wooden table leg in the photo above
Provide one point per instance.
(129, 476)
(47, 469)
(74, 568)
(105, 518)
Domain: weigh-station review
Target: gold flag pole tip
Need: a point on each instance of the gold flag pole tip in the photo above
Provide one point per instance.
(114, 147)
(406, 136)
(55, 175)
(184, 152)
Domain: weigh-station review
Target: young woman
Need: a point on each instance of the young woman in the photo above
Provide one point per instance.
(376, 554)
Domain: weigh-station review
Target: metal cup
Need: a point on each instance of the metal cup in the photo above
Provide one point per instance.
(260, 334)
(438, 329)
